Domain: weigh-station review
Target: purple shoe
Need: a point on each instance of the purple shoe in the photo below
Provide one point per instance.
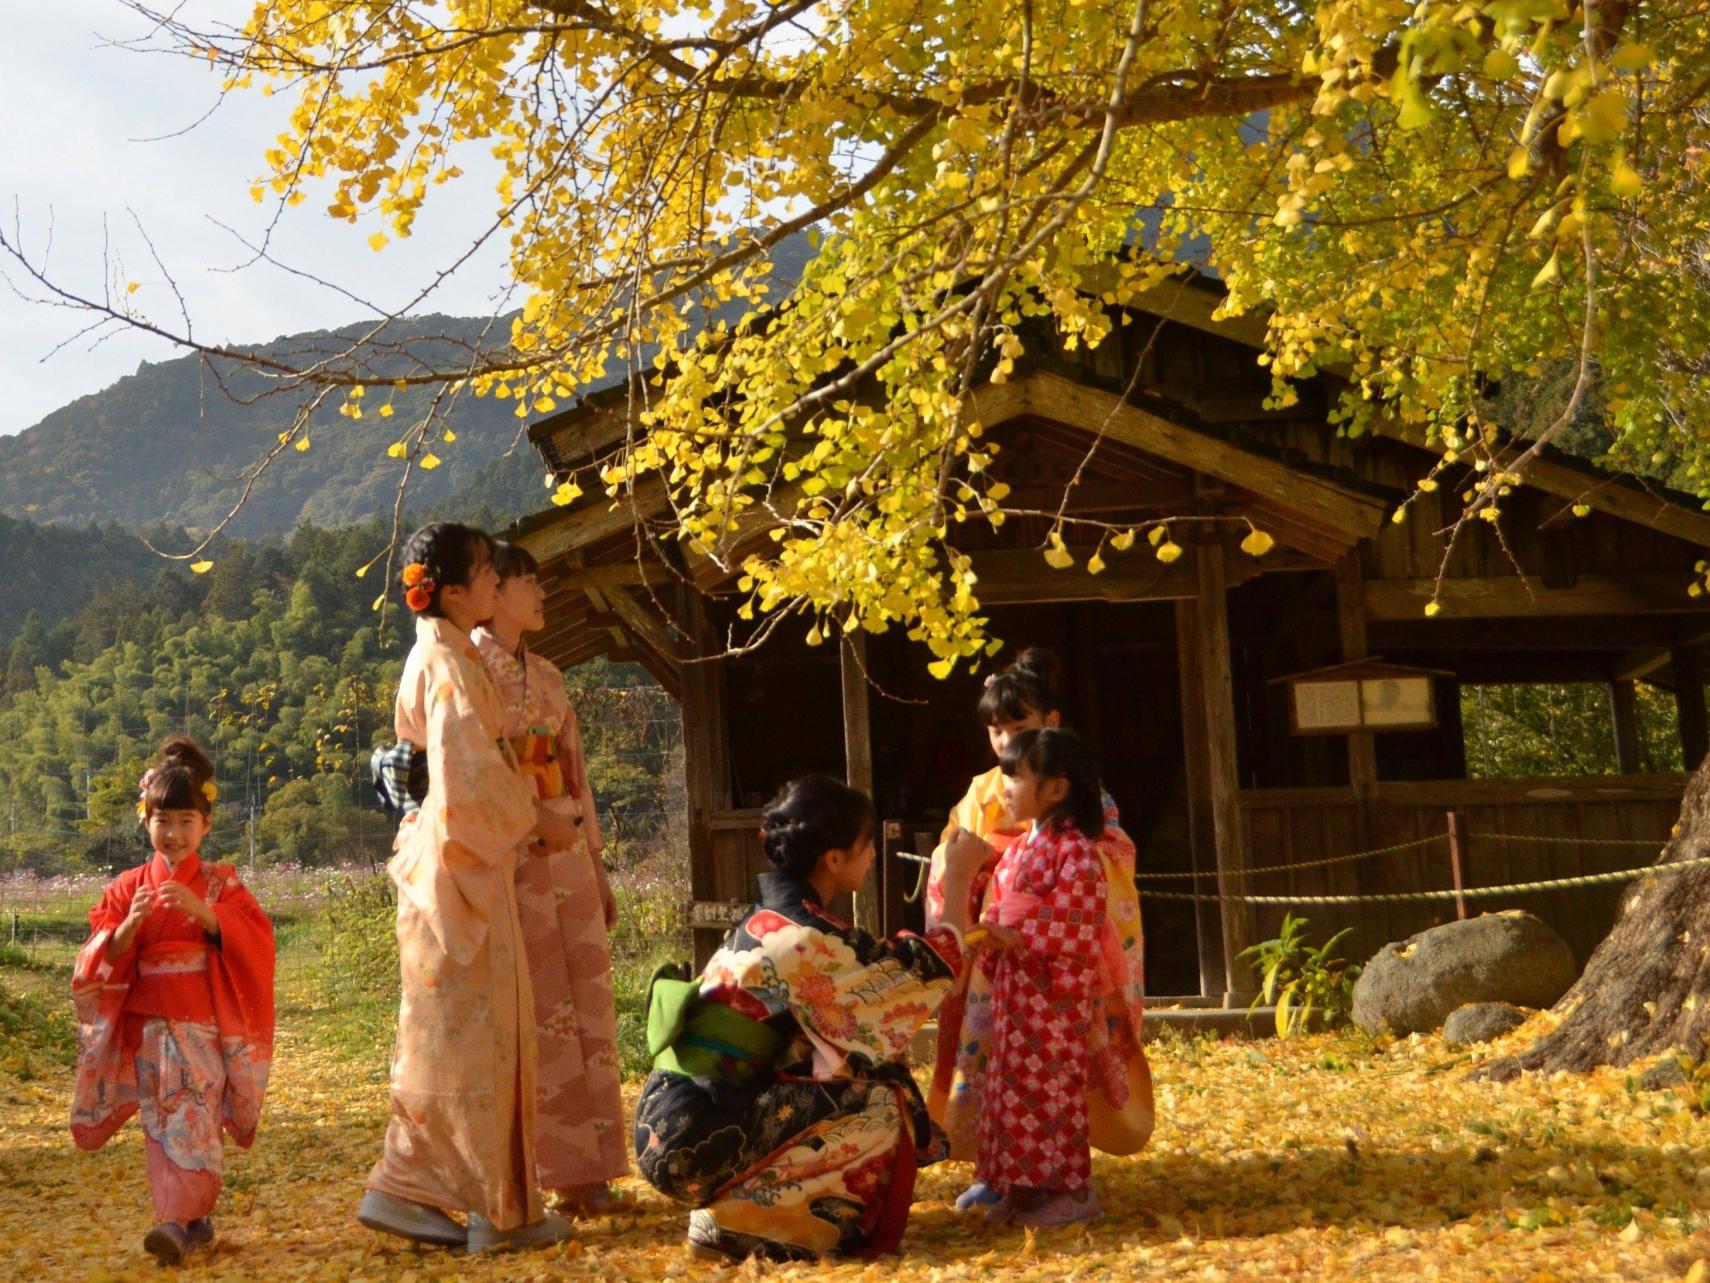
(200, 1232)
(979, 1194)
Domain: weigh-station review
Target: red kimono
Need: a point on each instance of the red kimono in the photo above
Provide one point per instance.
(1050, 887)
(179, 1028)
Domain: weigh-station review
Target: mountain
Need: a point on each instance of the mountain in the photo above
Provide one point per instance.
(172, 442)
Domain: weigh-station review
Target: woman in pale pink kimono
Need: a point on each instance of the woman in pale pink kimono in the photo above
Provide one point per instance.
(461, 1135)
(566, 907)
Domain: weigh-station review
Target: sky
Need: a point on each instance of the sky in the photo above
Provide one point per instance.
(87, 143)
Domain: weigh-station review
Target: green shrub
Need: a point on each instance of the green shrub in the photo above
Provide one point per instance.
(1303, 979)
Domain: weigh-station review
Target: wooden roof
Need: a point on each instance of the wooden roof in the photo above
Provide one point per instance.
(615, 572)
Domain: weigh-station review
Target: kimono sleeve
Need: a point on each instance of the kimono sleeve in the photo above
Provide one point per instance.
(1066, 918)
(480, 805)
(574, 763)
(247, 958)
(93, 967)
(859, 998)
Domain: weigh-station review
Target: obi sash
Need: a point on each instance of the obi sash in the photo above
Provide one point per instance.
(700, 1039)
(537, 755)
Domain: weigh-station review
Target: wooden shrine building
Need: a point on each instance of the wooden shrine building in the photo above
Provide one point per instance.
(1172, 671)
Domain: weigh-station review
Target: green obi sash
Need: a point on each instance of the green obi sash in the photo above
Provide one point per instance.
(705, 1039)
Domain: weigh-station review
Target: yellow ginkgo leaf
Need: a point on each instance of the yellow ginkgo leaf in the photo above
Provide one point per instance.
(1257, 543)
(378, 602)
(1169, 551)
(1582, 510)
(397, 450)
(377, 241)
(132, 287)
(430, 461)
(1155, 535)
(940, 668)
(566, 494)
(1056, 555)
(1122, 541)
(1432, 609)
(448, 435)
(386, 411)
(201, 567)
(1549, 271)
(1095, 564)
(301, 445)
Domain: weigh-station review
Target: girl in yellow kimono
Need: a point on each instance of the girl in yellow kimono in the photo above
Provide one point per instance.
(1019, 698)
(461, 1136)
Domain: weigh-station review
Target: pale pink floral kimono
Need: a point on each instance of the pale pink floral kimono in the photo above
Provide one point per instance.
(580, 1137)
(461, 1137)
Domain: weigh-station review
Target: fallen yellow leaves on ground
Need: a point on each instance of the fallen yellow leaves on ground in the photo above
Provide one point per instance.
(1327, 1157)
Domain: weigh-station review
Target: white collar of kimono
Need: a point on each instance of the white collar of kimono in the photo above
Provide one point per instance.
(486, 639)
(443, 631)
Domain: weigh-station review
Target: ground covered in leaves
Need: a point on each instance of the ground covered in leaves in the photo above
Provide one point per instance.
(1319, 1158)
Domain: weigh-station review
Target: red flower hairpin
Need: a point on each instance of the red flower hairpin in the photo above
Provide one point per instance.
(418, 586)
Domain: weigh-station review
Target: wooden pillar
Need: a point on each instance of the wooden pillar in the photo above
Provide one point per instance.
(1689, 705)
(706, 759)
(1217, 692)
(1624, 711)
(1351, 620)
(1202, 849)
(858, 770)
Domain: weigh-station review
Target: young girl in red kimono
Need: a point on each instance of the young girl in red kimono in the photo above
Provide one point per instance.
(1044, 921)
(1023, 697)
(174, 998)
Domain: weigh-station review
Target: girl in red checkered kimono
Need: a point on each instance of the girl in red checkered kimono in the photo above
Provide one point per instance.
(174, 996)
(1044, 921)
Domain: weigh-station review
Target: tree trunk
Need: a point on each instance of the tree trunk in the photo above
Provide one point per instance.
(1646, 990)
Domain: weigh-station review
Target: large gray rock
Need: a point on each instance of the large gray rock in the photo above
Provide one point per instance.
(1481, 1022)
(1511, 957)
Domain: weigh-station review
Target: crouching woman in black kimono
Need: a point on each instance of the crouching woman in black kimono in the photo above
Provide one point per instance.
(779, 1106)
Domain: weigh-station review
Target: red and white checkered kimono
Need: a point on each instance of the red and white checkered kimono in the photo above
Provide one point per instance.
(1049, 886)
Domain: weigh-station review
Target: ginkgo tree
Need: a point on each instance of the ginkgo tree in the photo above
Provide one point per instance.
(1427, 200)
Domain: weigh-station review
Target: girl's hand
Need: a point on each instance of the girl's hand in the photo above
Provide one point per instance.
(608, 901)
(175, 895)
(142, 903)
(965, 854)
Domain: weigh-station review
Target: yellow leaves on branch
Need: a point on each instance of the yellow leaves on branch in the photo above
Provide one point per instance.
(1370, 216)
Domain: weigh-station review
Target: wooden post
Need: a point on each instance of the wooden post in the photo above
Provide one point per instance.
(858, 767)
(1624, 710)
(1689, 706)
(1201, 845)
(706, 763)
(1457, 864)
(1351, 620)
(1217, 691)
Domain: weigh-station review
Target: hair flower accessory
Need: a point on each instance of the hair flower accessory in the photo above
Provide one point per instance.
(211, 791)
(419, 586)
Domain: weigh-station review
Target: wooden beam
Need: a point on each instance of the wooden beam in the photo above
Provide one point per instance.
(858, 767)
(1643, 661)
(1351, 621)
(1202, 845)
(1093, 410)
(1624, 713)
(1514, 596)
(1009, 576)
(595, 519)
(1689, 705)
(564, 579)
(1217, 691)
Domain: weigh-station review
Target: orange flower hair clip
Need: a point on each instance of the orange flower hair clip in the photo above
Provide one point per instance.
(419, 586)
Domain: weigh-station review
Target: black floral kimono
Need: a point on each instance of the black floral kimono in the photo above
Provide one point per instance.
(816, 1152)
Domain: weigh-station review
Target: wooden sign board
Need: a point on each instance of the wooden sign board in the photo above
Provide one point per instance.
(1364, 696)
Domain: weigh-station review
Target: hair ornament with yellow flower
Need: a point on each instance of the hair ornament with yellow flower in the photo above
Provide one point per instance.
(418, 587)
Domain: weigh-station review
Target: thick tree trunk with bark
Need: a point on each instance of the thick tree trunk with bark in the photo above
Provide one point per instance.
(1646, 991)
